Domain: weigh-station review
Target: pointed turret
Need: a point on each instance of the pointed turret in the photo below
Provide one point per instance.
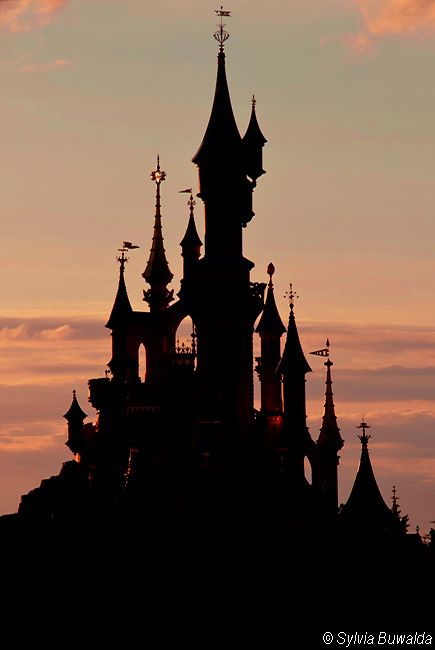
(253, 142)
(222, 142)
(157, 272)
(191, 243)
(75, 413)
(329, 432)
(224, 185)
(270, 328)
(75, 417)
(400, 520)
(293, 360)
(329, 443)
(296, 441)
(366, 509)
(123, 364)
(270, 323)
(121, 309)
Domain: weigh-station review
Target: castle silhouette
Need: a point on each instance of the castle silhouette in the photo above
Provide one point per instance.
(182, 447)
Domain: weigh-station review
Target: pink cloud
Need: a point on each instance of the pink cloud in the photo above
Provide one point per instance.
(360, 44)
(25, 15)
(397, 16)
(44, 67)
(390, 17)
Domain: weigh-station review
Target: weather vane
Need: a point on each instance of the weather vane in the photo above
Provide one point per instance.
(291, 295)
(221, 35)
(324, 352)
(122, 259)
(191, 203)
(364, 437)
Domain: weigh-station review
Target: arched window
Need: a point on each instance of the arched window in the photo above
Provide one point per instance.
(142, 362)
(308, 471)
(185, 339)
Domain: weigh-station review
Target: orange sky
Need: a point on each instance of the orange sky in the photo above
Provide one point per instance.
(345, 211)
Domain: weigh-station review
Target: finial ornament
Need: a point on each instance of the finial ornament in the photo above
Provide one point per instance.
(191, 202)
(122, 259)
(364, 437)
(158, 175)
(270, 272)
(253, 101)
(292, 296)
(221, 35)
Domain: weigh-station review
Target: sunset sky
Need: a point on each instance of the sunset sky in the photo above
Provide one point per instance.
(92, 90)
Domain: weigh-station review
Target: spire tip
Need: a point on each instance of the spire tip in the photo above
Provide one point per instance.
(292, 296)
(221, 35)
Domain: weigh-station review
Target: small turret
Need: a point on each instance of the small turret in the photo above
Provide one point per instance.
(253, 142)
(122, 364)
(191, 243)
(296, 440)
(270, 328)
(366, 509)
(400, 520)
(75, 417)
(157, 272)
(329, 433)
(121, 309)
(329, 444)
(270, 323)
(293, 361)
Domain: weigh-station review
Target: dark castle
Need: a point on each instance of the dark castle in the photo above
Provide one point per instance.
(182, 448)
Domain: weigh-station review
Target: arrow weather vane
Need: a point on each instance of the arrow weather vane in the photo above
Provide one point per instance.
(221, 35)
(324, 352)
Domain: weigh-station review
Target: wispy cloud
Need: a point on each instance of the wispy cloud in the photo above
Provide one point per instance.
(48, 351)
(33, 329)
(25, 15)
(398, 16)
(360, 44)
(390, 17)
(31, 68)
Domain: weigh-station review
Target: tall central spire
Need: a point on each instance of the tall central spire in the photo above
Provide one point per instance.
(157, 272)
(222, 138)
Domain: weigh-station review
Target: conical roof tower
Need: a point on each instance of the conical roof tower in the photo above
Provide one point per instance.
(157, 272)
(365, 508)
